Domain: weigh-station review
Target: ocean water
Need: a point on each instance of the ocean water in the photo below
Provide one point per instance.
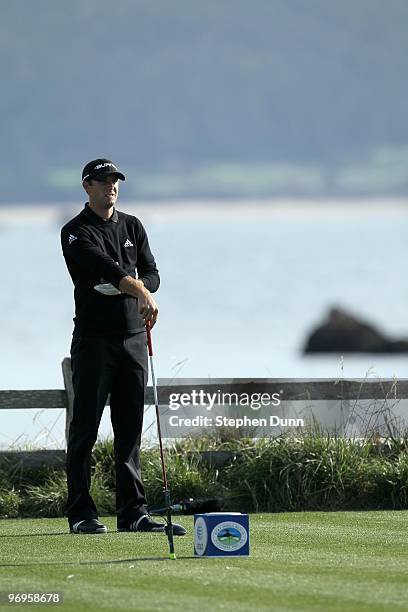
(242, 284)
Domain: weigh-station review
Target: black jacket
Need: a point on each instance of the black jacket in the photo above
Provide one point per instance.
(98, 251)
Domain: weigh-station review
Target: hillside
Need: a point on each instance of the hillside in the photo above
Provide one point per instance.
(205, 98)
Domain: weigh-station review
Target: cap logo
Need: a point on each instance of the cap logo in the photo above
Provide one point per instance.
(99, 166)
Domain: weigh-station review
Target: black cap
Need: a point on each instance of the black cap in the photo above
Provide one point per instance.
(99, 168)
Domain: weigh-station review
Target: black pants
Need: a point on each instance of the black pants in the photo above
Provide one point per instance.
(115, 365)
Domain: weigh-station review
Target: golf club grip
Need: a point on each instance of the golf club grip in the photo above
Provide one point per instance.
(149, 339)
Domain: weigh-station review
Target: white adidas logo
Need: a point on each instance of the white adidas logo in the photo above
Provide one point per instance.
(128, 243)
(71, 238)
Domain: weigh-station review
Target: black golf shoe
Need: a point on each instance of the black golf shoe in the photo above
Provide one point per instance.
(145, 524)
(88, 526)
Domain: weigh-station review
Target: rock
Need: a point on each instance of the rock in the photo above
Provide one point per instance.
(344, 333)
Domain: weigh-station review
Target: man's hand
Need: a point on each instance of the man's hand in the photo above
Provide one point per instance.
(147, 306)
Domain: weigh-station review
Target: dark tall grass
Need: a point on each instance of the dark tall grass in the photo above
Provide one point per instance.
(311, 472)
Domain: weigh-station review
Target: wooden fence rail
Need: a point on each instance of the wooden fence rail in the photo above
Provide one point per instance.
(292, 390)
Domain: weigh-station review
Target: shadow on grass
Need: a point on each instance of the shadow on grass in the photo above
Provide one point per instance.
(33, 535)
(60, 533)
(103, 562)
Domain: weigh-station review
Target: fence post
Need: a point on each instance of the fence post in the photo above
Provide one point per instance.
(69, 389)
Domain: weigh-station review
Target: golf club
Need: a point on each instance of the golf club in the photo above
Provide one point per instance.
(166, 490)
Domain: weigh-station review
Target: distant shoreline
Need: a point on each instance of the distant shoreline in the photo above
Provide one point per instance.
(56, 213)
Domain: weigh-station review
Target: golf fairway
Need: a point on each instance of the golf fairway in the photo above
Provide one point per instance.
(299, 561)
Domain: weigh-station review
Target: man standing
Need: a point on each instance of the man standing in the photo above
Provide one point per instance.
(103, 248)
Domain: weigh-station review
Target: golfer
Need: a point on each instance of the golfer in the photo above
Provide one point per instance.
(114, 273)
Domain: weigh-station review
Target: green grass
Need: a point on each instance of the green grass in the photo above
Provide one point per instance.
(339, 561)
(314, 472)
